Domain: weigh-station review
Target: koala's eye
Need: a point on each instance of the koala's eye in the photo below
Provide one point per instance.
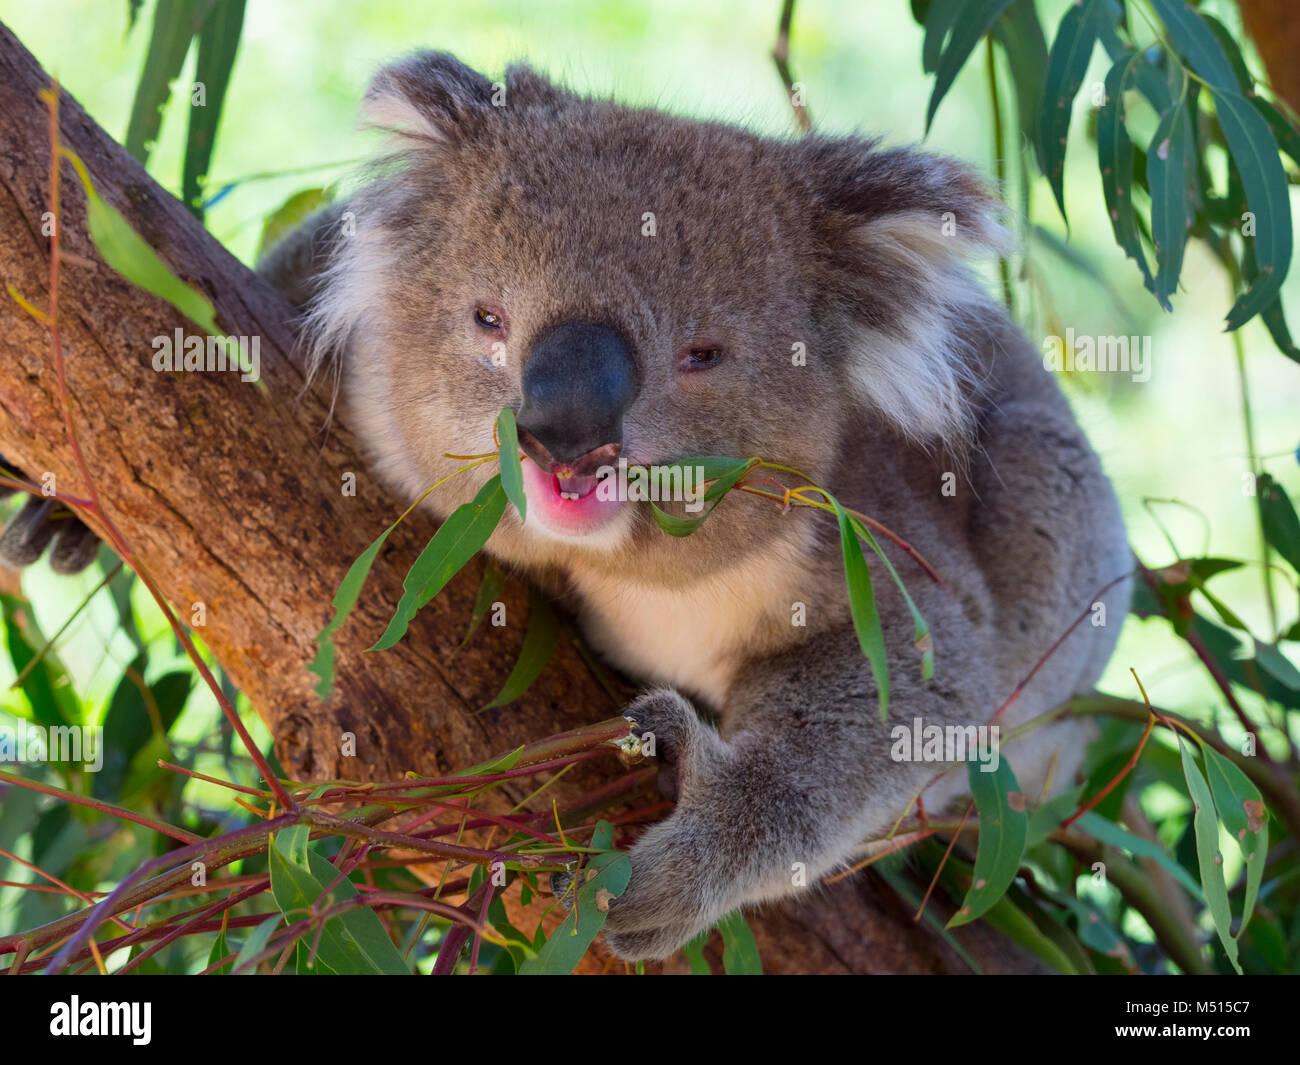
(489, 320)
(701, 358)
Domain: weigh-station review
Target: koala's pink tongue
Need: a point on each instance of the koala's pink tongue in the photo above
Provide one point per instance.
(568, 505)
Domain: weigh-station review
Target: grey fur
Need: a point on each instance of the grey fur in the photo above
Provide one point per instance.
(912, 372)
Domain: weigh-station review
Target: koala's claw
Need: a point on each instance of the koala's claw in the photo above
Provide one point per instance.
(667, 727)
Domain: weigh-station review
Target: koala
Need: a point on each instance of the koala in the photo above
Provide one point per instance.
(643, 286)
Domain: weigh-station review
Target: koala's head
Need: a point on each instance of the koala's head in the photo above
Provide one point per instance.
(639, 285)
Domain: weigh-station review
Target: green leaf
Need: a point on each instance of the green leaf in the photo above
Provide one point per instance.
(1115, 161)
(1047, 818)
(862, 606)
(361, 926)
(218, 41)
(175, 22)
(519, 946)
(972, 20)
(512, 473)
(1288, 137)
(1242, 810)
(1067, 63)
(127, 253)
(694, 951)
(1167, 164)
(1279, 521)
(1020, 34)
(288, 217)
(539, 644)
(739, 951)
(489, 592)
(220, 950)
(52, 699)
(721, 474)
(348, 941)
(129, 726)
(1019, 927)
(1205, 825)
(1004, 829)
(457, 540)
(920, 630)
(1095, 931)
(564, 948)
(1277, 665)
(938, 23)
(1110, 833)
(344, 600)
(255, 944)
(1253, 147)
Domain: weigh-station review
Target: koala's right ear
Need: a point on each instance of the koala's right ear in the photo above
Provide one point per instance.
(430, 96)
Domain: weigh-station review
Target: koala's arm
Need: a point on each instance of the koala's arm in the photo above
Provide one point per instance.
(799, 775)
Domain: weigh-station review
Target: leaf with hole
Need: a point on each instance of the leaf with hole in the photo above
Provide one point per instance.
(1205, 825)
(1004, 831)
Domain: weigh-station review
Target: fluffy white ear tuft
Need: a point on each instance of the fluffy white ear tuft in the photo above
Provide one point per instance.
(430, 96)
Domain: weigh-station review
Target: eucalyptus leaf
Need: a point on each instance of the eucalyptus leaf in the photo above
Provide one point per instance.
(1004, 831)
(972, 20)
(457, 540)
(862, 607)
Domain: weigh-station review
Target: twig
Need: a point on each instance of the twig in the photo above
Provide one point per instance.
(781, 57)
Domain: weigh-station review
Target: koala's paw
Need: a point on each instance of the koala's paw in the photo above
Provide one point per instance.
(679, 887)
(38, 522)
(671, 732)
(682, 881)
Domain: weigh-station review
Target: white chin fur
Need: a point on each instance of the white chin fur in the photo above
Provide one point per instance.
(609, 537)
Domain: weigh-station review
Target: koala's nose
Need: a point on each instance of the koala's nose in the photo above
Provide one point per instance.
(579, 379)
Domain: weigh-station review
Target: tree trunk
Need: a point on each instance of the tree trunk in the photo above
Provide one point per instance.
(232, 497)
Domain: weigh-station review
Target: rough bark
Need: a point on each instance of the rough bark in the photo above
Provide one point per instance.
(231, 496)
(1274, 26)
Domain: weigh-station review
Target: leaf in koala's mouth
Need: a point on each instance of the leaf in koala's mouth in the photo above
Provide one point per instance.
(512, 474)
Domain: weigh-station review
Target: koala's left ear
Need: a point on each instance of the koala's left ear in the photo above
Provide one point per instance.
(429, 96)
(937, 207)
(897, 231)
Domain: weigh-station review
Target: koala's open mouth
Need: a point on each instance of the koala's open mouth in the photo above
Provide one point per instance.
(572, 505)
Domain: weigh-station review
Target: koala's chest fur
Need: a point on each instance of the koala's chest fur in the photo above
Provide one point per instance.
(695, 637)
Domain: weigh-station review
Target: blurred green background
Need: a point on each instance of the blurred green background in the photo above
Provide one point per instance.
(303, 65)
